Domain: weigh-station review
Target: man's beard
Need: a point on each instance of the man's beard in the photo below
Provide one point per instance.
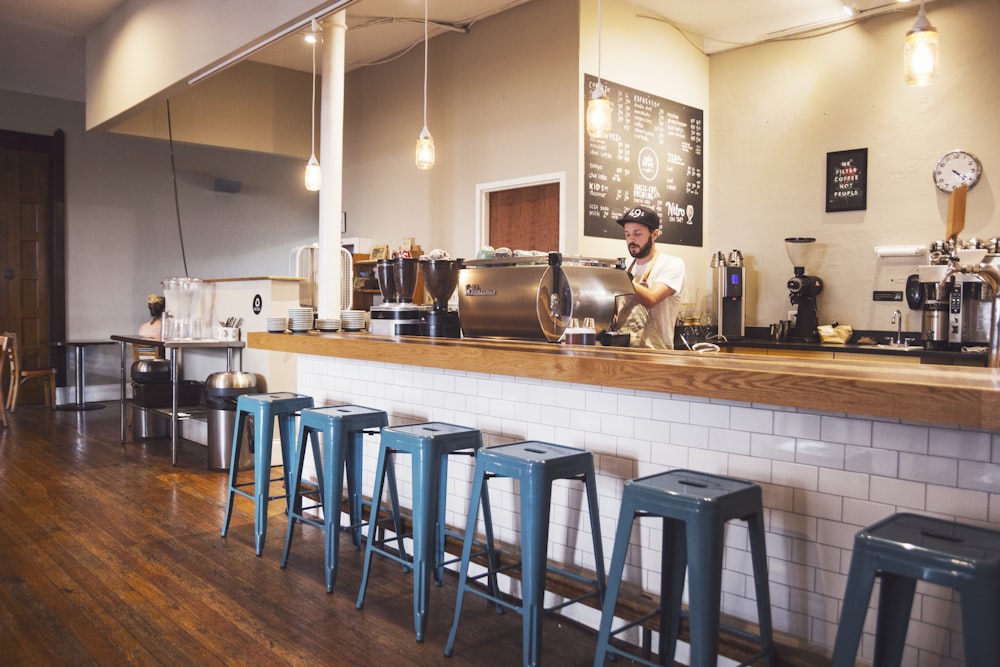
(641, 252)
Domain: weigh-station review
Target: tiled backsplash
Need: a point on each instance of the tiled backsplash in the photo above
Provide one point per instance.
(824, 476)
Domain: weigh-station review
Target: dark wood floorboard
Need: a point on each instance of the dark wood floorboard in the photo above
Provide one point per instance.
(111, 556)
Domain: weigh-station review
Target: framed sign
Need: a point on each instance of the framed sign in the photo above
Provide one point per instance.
(847, 180)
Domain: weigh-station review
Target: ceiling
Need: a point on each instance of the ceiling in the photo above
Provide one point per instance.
(49, 34)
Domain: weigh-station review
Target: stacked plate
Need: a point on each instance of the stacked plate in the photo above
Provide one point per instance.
(352, 320)
(277, 324)
(327, 324)
(300, 320)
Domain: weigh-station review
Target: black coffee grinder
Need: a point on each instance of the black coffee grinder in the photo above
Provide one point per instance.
(440, 280)
(803, 289)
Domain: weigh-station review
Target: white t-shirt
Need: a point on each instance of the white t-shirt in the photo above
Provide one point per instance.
(668, 270)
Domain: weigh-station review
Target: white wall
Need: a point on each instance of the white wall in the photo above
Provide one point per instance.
(121, 224)
(777, 109)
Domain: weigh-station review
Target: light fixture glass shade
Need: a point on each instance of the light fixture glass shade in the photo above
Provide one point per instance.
(314, 177)
(920, 52)
(599, 116)
(425, 150)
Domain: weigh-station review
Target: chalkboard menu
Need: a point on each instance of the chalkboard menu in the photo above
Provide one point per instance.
(654, 156)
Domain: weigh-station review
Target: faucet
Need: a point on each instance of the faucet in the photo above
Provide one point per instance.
(897, 319)
(991, 276)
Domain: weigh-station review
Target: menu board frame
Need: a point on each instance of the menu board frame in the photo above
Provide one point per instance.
(847, 180)
(654, 156)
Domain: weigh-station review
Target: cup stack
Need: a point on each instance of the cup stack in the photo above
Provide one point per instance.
(277, 324)
(352, 320)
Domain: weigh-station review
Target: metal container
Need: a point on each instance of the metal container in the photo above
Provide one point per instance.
(222, 390)
(534, 298)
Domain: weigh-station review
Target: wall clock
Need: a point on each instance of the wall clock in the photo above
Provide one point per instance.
(955, 168)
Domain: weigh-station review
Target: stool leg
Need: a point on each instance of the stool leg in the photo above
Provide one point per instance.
(615, 572)
(383, 456)
(894, 603)
(534, 556)
(306, 434)
(595, 529)
(705, 589)
(478, 484)
(857, 593)
(980, 620)
(261, 481)
(758, 555)
(425, 512)
(286, 436)
(233, 466)
(439, 521)
(354, 463)
(673, 563)
(335, 457)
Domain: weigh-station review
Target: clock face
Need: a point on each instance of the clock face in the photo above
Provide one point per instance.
(956, 168)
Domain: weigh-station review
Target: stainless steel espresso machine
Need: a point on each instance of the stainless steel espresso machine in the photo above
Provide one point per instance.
(957, 310)
(535, 297)
(397, 315)
(728, 277)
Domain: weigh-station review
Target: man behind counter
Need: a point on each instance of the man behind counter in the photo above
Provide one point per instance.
(657, 277)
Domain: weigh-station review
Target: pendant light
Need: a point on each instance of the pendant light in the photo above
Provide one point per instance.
(920, 51)
(599, 107)
(313, 174)
(425, 143)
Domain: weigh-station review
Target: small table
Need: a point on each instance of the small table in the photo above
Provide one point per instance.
(81, 385)
(172, 347)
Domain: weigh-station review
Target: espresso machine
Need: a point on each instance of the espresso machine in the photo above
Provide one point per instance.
(440, 280)
(727, 294)
(397, 315)
(803, 289)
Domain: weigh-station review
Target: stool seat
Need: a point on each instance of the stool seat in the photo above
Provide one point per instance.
(904, 548)
(695, 507)
(536, 465)
(430, 444)
(343, 428)
(263, 409)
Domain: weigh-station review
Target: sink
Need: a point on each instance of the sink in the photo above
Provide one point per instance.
(899, 348)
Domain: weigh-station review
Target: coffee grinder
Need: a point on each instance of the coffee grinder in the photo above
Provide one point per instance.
(440, 280)
(803, 289)
(397, 315)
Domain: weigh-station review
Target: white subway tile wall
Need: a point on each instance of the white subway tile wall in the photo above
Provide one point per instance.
(824, 476)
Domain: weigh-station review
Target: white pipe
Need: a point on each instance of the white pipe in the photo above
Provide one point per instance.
(331, 160)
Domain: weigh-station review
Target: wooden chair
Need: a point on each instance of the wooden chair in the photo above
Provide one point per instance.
(19, 375)
(4, 344)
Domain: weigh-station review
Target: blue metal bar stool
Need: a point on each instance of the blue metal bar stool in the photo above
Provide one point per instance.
(343, 428)
(903, 548)
(429, 444)
(536, 465)
(263, 409)
(695, 507)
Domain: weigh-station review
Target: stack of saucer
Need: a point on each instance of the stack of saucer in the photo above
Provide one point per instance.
(327, 324)
(300, 320)
(277, 324)
(352, 320)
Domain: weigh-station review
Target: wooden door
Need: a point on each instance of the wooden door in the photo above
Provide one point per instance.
(27, 250)
(525, 218)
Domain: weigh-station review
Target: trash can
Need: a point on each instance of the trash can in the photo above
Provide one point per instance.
(221, 393)
(150, 381)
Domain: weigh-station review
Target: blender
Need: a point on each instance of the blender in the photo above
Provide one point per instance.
(399, 316)
(803, 289)
(440, 280)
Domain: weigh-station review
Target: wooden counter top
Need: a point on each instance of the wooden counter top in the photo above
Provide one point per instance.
(923, 393)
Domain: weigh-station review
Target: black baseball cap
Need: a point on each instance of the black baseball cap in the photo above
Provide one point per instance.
(643, 215)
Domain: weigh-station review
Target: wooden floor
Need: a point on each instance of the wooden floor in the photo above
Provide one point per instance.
(111, 556)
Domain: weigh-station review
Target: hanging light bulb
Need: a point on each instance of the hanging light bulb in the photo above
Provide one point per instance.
(425, 143)
(920, 52)
(599, 106)
(314, 177)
